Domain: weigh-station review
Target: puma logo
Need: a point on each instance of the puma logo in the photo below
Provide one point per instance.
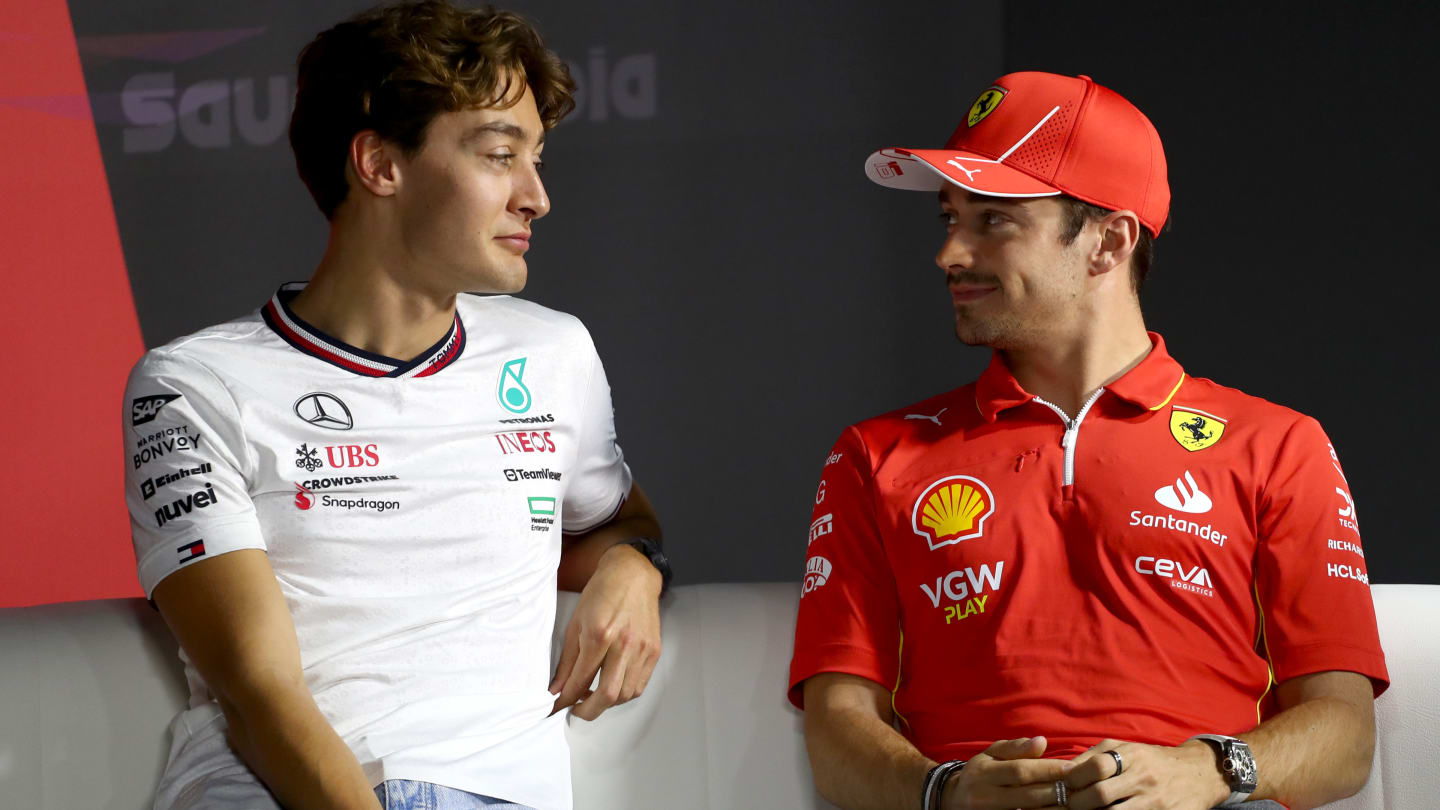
(935, 418)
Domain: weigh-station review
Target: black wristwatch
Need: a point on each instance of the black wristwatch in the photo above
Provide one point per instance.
(656, 555)
(1237, 764)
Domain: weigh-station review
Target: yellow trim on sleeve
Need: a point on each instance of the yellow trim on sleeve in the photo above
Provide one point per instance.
(899, 663)
(1263, 641)
(1172, 393)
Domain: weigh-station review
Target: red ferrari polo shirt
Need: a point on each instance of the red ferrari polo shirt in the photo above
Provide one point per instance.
(1145, 569)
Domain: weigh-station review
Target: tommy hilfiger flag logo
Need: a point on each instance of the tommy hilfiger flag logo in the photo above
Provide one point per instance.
(195, 549)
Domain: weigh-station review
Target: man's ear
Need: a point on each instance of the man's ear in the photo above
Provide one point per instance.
(1119, 234)
(372, 163)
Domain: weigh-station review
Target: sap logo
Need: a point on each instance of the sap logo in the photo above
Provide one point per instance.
(817, 573)
(958, 585)
(532, 442)
(822, 526)
(160, 448)
(1195, 579)
(145, 409)
(352, 455)
(206, 115)
(834, 457)
(1348, 518)
(625, 88)
(185, 505)
(1347, 572)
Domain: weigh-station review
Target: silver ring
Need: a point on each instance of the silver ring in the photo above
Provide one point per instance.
(1062, 794)
(1119, 763)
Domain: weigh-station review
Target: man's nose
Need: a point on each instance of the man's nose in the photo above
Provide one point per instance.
(955, 254)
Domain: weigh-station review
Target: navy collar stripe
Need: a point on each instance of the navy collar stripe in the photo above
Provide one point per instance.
(309, 340)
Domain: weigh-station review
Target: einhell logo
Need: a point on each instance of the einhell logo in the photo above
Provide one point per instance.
(522, 442)
(184, 506)
(951, 510)
(149, 486)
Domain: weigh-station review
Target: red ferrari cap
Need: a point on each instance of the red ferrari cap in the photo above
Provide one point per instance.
(1040, 134)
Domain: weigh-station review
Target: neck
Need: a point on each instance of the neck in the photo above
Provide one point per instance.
(1066, 371)
(372, 301)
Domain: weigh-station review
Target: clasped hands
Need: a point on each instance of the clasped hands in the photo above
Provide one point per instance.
(1010, 774)
(615, 631)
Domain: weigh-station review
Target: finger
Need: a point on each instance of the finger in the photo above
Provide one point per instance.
(612, 678)
(569, 651)
(1105, 793)
(1023, 748)
(1090, 767)
(1020, 772)
(637, 675)
(587, 663)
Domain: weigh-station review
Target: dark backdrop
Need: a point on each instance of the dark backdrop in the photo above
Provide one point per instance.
(1300, 265)
(752, 293)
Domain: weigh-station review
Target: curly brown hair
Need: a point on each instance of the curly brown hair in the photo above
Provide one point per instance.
(392, 69)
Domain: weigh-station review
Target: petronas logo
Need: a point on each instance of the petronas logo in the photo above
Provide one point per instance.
(512, 393)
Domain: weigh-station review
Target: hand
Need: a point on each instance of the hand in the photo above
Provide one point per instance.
(1155, 777)
(615, 630)
(1006, 775)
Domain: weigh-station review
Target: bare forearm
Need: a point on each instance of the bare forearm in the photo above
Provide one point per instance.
(1316, 752)
(862, 763)
(290, 745)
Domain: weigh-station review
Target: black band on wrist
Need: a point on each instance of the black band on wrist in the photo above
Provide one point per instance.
(934, 786)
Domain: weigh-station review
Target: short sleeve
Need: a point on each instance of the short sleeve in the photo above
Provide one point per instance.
(600, 479)
(849, 618)
(184, 461)
(1310, 566)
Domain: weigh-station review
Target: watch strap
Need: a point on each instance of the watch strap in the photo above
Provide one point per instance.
(1236, 763)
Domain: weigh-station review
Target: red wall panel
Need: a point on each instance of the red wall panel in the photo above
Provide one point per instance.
(68, 318)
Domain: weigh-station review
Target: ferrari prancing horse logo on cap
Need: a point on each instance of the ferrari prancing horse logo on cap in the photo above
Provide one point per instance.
(985, 104)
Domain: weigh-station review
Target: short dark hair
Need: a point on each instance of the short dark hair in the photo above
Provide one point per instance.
(1078, 213)
(394, 68)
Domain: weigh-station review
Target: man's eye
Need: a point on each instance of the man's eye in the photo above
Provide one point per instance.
(502, 157)
(991, 218)
(539, 166)
(947, 218)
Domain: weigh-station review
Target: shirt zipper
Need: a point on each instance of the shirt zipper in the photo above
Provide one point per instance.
(1072, 431)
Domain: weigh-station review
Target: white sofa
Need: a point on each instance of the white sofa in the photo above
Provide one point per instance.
(87, 689)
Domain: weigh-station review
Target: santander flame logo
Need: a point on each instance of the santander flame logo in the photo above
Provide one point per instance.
(302, 497)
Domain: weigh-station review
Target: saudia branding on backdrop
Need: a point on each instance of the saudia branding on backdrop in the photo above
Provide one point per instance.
(169, 107)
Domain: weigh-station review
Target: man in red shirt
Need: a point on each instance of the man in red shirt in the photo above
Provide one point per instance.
(1036, 590)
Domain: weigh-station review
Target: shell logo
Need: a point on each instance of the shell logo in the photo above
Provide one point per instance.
(951, 510)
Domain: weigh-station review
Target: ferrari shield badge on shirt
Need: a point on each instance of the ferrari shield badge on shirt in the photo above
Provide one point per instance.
(1195, 430)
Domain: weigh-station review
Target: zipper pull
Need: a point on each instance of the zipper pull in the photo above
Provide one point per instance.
(1068, 439)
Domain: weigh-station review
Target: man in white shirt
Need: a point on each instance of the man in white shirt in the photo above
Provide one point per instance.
(349, 505)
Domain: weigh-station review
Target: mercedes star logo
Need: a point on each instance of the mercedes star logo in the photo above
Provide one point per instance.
(324, 410)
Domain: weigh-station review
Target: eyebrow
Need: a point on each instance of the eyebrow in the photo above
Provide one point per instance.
(983, 199)
(499, 128)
